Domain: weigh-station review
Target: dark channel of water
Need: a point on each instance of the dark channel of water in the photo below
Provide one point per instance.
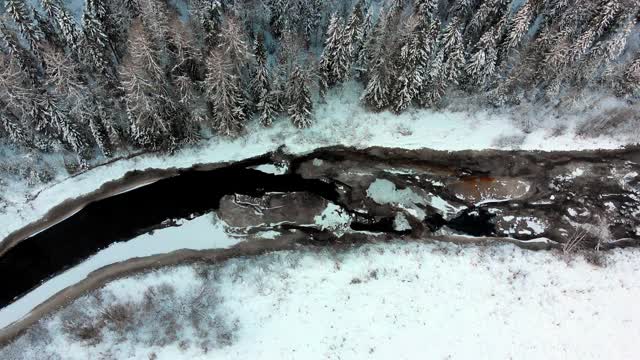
(193, 192)
(127, 215)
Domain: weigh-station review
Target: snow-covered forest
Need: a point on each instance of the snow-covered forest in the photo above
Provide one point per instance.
(92, 79)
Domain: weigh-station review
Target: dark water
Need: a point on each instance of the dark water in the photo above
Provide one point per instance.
(127, 215)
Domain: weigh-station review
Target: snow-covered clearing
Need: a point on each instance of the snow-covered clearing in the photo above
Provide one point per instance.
(204, 232)
(384, 301)
(340, 121)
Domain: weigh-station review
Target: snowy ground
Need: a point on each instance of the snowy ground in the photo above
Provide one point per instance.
(341, 121)
(204, 232)
(393, 301)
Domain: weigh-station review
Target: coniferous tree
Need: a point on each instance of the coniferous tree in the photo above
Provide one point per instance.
(371, 49)
(49, 33)
(520, 25)
(225, 95)
(22, 56)
(146, 93)
(334, 62)
(426, 9)
(56, 11)
(268, 107)
(12, 97)
(448, 65)
(376, 94)
(11, 125)
(95, 41)
(488, 14)
(483, 62)
(630, 80)
(602, 20)
(352, 33)
(261, 82)
(300, 104)
(415, 55)
(21, 14)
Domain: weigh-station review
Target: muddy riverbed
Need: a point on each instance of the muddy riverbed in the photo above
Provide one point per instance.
(342, 195)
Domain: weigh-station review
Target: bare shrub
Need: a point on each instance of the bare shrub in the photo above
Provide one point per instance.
(509, 141)
(163, 316)
(618, 120)
(574, 243)
(90, 332)
(595, 258)
(119, 317)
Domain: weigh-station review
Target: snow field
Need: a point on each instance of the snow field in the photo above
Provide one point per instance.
(397, 300)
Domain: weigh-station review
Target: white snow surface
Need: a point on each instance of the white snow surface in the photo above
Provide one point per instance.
(399, 301)
(204, 232)
(340, 121)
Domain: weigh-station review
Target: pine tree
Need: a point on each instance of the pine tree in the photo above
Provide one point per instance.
(603, 54)
(415, 55)
(630, 80)
(601, 21)
(21, 14)
(16, 132)
(22, 56)
(426, 9)
(334, 62)
(48, 31)
(56, 11)
(225, 95)
(261, 83)
(376, 94)
(520, 25)
(371, 50)
(267, 107)
(300, 106)
(100, 135)
(146, 95)
(488, 14)
(156, 21)
(461, 8)
(52, 120)
(482, 64)
(448, 65)
(436, 85)
(209, 15)
(352, 33)
(278, 21)
(95, 43)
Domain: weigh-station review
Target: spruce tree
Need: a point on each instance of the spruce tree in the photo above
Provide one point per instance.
(520, 25)
(334, 62)
(16, 132)
(482, 63)
(376, 94)
(56, 11)
(95, 43)
(352, 34)
(415, 55)
(300, 104)
(100, 135)
(225, 95)
(21, 55)
(630, 79)
(448, 65)
(21, 14)
(261, 82)
(267, 107)
(146, 89)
